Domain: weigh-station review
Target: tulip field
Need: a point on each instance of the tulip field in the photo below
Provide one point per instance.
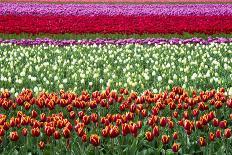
(97, 77)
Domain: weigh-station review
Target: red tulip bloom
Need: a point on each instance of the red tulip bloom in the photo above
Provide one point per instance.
(223, 124)
(95, 140)
(155, 131)
(229, 103)
(175, 114)
(14, 136)
(41, 145)
(218, 133)
(175, 135)
(24, 132)
(211, 136)
(66, 132)
(114, 132)
(215, 122)
(2, 132)
(163, 121)
(165, 139)
(35, 132)
(175, 147)
(94, 117)
(86, 119)
(43, 117)
(84, 138)
(56, 135)
(34, 114)
(202, 141)
(149, 136)
(227, 133)
(72, 115)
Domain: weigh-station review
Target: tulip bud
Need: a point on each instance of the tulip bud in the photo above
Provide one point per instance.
(175, 147)
(2, 132)
(41, 145)
(84, 138)
(114, 132)
(165, 139)
(56, 135)
(14, 136)
(35, 132)
(24, 132)
(95, 140)
(149, 136)
(66, 132)
(218, 133)
(211, 136)
(155, 131)
(34, 114)
(215, 122)
(223, 124)
(202, 141)
(175, 135)
(163, 121)
(227, 133)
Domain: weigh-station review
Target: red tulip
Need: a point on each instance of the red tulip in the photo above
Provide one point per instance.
(175, 147)
(41, 145)
(211, 136)
(43, 117)
(84, 138)
(175, 114)
(149, 136)
(86, 119)
(94, 117)
(223, 124)
(125, 129)
(163, 121)
(114, 132)
(34, 114)
(24, 132)
(215, 122)
(227, 133)
(229, 103)
(72, 115)
(134, 129)
(66, 132)
(14, 136)
(218, 133)
(155, 131)
(35, 132)
(56, 135)
(95, 140)
(195, 112)
(2, 132)
(218, 104)
(165, 139)
(202, 141)
(175, 135)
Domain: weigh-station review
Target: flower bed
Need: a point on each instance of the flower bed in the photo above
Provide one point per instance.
(137, 67)
(115, 24)
(116, 9)
(106, 122)
(98, 79)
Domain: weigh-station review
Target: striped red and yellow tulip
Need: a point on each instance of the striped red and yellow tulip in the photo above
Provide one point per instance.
(116, 122)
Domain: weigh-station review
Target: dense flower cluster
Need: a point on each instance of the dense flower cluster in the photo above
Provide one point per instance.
(148, 41)
(115, 9)
(115, 24)
(168, 120)
(134, 66)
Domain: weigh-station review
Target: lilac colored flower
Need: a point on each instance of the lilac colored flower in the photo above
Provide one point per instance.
(148, 41)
